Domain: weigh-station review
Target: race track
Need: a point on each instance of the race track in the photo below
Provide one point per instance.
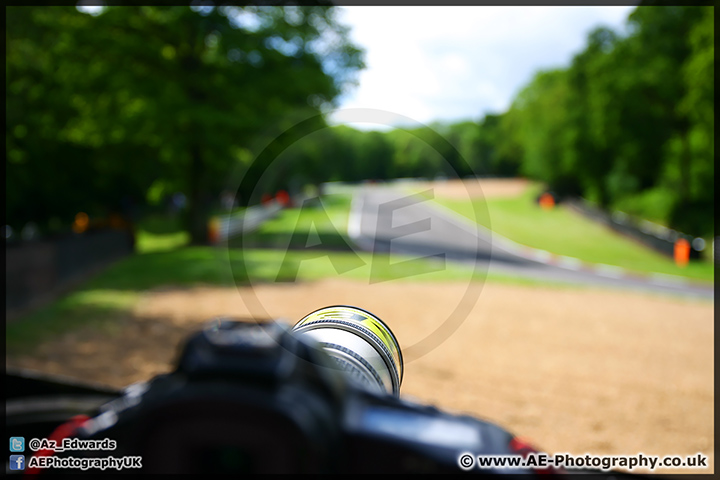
(386, 219)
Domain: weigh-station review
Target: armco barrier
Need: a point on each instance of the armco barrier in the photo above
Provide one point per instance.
(657, 237)
(247, 221)
(36, 271)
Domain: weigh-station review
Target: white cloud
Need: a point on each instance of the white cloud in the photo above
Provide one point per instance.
(452, 63)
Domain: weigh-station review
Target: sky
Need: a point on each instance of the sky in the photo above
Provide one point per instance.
(455, 63)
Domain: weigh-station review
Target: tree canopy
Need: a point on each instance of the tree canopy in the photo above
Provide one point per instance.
(629, 125)
(143, 101)
(138, 99)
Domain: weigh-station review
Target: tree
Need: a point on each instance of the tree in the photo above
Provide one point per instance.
(650, 130)
(695, 152)
(588, 149)
(464, 138)
(546, 133)
(169, 94)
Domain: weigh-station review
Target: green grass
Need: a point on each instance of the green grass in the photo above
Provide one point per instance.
(114, 292)
(565, 232)
(274, 265)
(97, 307)
(164, 260)
(318, 224)
(160, 232)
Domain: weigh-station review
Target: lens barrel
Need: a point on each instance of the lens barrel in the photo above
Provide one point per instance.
(360, 343)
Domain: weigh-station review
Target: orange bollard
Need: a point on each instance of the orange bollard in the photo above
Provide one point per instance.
(213, 230)
(547, 202)
(81, 223)
(682, 252)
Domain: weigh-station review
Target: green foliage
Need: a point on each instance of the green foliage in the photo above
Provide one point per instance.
(142, 100)
(630, 123)
(564, 232)
(546, 131)
(137, 103)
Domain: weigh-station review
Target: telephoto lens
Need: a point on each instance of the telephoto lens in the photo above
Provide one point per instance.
(360, 343)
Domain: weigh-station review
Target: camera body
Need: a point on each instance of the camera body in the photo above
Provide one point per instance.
(258, 398)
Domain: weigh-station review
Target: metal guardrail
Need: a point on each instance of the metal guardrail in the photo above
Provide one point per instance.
(246, 221)
(657, 237)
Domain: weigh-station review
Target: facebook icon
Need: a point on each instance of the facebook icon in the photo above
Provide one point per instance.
(17, 462)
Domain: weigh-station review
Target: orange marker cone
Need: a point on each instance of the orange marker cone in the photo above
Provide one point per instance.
(547, 202)
(682, 252)
(213, 230)
(81, 223)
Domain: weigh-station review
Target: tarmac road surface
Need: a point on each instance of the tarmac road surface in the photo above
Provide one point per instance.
(385, 219)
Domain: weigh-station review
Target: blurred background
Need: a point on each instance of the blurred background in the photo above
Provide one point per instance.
(159, 159)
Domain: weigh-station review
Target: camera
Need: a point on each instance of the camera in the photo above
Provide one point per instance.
(322, 397)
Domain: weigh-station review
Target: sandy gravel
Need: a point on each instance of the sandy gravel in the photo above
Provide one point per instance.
(481, 188)
(579, 371)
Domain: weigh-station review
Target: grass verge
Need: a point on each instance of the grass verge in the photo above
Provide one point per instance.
(564, 232)
(320, 223)
(163, 259)
(160, 232)
(114, 292)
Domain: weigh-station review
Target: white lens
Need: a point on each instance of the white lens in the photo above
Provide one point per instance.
(360, 343)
